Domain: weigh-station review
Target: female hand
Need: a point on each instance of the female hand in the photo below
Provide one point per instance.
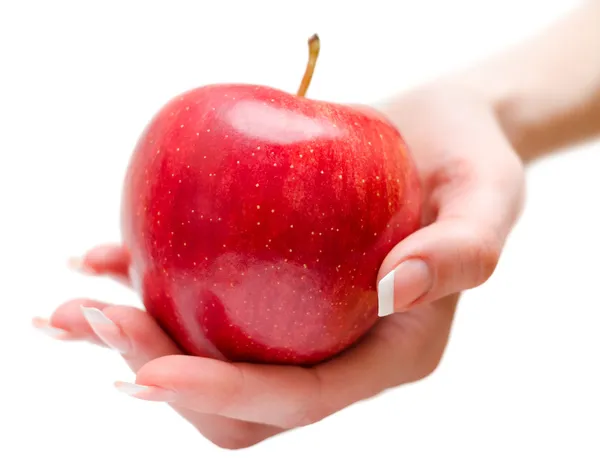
(474, 185)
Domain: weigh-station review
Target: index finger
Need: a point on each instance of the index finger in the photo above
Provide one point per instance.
(112, 260)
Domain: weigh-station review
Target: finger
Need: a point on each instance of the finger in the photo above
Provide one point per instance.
(140, 340)
(402, 349)
(443, 258)
(253, 393)
(67, 322)
(132, 332)
(288, 396)
(461, 248)
(112, 260)
(44, 326)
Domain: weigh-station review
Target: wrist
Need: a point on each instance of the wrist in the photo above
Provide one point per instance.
(545, 92)
(506, 98)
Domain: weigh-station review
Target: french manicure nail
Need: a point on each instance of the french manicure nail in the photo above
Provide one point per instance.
(78, 264)
(146, 392)
(43, 325)
(402, 286)
(106, 329)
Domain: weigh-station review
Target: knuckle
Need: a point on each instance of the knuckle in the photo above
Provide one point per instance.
(136, 324)
(309, 414)
(485, 247)
(135, 320)
(428, 366)
(230, 393)
(311, 407)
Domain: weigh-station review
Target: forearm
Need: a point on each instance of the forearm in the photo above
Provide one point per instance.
(546, 91)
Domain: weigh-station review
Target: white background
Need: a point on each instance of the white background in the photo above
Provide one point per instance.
(519, 382)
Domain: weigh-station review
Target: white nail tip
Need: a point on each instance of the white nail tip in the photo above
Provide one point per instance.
(78, 264)
(96, 316)
(105, 329)
(146, 393)
(131, 388)
(75, 263)
(385, 294)
(52, 332)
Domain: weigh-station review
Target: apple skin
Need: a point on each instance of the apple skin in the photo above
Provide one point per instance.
(257, 221)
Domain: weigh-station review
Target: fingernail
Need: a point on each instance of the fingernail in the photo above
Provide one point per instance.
(106, 329)
(43, 325)
(78, 264)
(402, 286)
(144, 392)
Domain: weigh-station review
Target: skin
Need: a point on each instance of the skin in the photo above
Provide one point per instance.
(488, 122)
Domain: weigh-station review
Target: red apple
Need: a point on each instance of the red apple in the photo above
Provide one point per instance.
(257, 220)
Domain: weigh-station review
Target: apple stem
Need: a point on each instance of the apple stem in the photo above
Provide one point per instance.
(314, 45)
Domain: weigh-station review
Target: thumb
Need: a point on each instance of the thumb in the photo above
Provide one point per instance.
(443, 258)
(459, 251)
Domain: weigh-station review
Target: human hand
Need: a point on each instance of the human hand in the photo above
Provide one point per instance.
(237, 405)
(473, 183)
(473, 194)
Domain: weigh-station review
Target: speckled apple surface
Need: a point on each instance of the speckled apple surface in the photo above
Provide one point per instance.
(257, 221)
